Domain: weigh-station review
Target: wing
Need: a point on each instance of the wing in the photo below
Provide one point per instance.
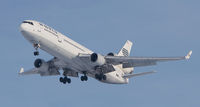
(38, 71)
(141, 61)
(52, 68)
(28, 72)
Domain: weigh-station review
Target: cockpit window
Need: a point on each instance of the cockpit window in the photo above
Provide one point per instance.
(28, 22)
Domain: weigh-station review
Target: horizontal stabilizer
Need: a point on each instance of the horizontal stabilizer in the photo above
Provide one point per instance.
(138, 74)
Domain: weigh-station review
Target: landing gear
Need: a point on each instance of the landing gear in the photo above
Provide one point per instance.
(100, 77)
(65, 80)
(84, 78)
(36, 53)
(104, 77)
(36, 46)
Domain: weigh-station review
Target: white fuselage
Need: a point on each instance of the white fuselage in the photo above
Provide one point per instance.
(65, 49)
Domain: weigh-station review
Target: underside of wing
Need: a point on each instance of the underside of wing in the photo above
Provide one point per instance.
(141, 61)
(43, 68)
(39, 71)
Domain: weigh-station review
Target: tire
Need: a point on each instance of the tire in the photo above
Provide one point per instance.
(86, 78)
(100, 78)
(104, 77)
(61, 79)
(69, 80)
(96, 76)
(64, 82)
(82, 78)
(65, 78)
(36, 53)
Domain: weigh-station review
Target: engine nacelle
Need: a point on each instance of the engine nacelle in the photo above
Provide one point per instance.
(97, 59)
(41, 64)
(111, 54)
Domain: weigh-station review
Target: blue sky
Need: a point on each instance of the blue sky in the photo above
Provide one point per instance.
(156, 27)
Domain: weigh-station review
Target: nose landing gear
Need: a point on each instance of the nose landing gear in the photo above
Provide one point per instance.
(36, 53)
(36, 46)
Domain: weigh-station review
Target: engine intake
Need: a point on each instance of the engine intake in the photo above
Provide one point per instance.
(45, 68)
(38, 63)
(111, 54)
(94, 57)
(97, 59)
(41, 64)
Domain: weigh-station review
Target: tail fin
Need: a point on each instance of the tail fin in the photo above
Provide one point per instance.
(126, 49)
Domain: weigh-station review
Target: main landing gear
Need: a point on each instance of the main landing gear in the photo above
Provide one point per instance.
(65, 80)
(100, 77)
(84, 78)
(36, 46)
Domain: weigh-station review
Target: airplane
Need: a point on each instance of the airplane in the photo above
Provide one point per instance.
(73, 59)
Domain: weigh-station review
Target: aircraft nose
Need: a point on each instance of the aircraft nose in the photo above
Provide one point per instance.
(25, 30)
(22, 27)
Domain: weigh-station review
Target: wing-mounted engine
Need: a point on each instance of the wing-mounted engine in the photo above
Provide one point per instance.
(41, 64)
(97, 59)
(46, 68)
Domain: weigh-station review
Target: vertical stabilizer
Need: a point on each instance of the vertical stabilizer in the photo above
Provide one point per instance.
(126, 49)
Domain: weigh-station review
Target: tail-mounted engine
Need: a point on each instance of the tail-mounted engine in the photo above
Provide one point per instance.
(111, 54)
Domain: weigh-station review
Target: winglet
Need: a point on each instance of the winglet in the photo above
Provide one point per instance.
(188, 55)
(21, 71)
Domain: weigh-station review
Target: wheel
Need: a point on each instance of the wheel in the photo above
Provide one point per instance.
(65, 78)
(100, 78)
(69, 80)
(104, 77)
(64, 82)
(86, 78)
(96, 76)
(36, 53)
(82, 78)
(61, 79)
